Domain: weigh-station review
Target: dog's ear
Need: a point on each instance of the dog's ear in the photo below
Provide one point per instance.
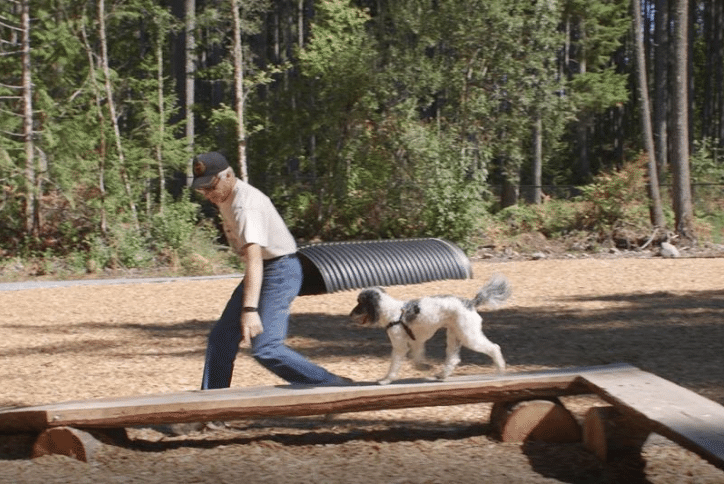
(368, 303)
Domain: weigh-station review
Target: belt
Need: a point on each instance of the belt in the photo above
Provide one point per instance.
(275, 259)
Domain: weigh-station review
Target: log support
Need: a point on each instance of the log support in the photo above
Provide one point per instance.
(542, 420)
(611, 435)
(68, 441)
(75, 443)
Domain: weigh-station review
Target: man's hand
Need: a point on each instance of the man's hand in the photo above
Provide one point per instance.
(250, 327)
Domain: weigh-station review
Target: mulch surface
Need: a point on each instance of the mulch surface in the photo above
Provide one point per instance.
(665, 316)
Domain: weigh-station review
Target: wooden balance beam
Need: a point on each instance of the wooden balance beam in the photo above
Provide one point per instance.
(651, 403)
(292, 400)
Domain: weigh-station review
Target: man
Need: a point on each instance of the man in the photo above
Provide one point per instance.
(258, 311)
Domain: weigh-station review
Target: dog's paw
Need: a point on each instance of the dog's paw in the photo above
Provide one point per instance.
(384, 381)
(442, 376)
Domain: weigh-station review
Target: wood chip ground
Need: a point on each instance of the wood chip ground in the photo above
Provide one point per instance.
(665, 316)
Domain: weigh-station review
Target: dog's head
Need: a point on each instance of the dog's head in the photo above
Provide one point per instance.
(367, 310)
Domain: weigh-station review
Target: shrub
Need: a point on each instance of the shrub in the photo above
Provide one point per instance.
(614, 197)
(552, 219)
(128, 248)
(174, 226)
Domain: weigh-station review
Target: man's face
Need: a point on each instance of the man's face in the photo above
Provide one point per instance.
(219, 190)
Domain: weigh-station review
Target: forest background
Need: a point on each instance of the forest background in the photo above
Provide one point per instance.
(476, 121)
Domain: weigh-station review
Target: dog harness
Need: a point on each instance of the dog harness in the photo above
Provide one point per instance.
(405, 326)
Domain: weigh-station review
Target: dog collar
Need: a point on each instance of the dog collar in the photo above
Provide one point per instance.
(406, 327)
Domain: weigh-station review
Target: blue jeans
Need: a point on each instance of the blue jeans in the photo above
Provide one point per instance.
(281, 284)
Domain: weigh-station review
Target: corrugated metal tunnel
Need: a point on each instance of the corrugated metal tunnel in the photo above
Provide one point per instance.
(339, 266)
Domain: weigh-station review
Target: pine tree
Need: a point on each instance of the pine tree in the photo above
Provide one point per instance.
(683, 209)
(596, 32)
(113, 117)
(657, 213)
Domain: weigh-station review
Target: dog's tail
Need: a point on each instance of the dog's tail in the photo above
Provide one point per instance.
(494, 292)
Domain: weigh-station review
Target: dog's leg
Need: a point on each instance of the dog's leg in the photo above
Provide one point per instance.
(481, 344)
(417, 353)
(472, 336)
(452, 355)
(399, 352)
(497, 356)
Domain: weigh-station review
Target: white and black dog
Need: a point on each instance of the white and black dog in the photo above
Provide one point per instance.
(410, 324)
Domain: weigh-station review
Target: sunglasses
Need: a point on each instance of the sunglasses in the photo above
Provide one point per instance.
(211, 187)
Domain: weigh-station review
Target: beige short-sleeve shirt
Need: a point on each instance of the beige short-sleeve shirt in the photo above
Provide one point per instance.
(250, 217)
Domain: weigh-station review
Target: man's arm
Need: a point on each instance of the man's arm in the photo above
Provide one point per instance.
(254, 274)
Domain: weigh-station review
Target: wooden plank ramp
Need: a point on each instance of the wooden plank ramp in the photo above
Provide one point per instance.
(685, 417)
(291, 400)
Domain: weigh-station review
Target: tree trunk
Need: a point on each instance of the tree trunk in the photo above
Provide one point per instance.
(189, 80)
(584, 155)
(661, 89)
(161, 121)
(112, 112)
(719, 71)
(657, 213)
(511, 189)
(103, 226)
(680, 156)
(712, 117)
(567, 50)
(691, 33)
(239, 92)
(537, 160)
(707, 105)
(31, 175)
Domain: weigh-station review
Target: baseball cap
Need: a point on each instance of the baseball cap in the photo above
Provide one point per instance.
(206, 166)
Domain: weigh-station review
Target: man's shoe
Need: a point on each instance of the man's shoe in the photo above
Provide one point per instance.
(340, 381)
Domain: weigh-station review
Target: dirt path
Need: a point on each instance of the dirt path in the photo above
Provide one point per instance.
(662, 315)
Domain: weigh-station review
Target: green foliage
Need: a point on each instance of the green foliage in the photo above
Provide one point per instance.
(553, 219)
(596, 83)
(387, 122)
(174, 227)
(337, 41)
(404, 150)
(443, 192)
(707, 161)
(602, 26)
(707, 175)
(403, 180)
(614, 200)
(121, 248)
(598, 91)
(615, 197)
(100, 254)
